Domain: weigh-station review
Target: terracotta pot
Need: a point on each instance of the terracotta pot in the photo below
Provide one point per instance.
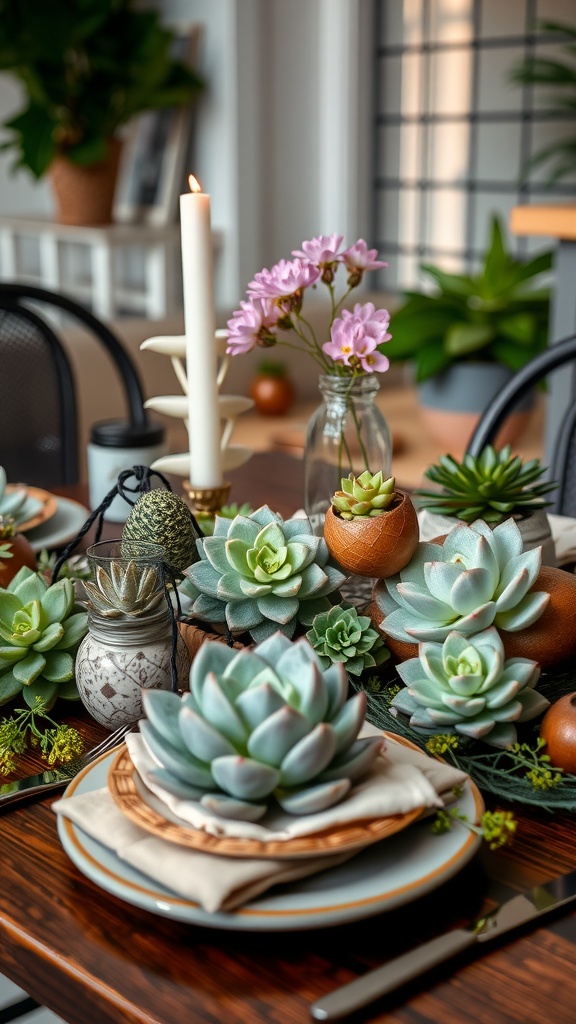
(374, 546)
(549, 641)
(85, 195)
(22, 554)
(559, 730)
(452, 403)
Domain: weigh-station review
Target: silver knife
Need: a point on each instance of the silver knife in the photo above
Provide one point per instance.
(527, 906)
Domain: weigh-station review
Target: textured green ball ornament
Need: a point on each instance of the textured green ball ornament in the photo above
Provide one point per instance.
(164, 518)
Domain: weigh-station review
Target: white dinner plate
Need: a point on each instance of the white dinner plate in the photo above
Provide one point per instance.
(386, 875)
(62, 527)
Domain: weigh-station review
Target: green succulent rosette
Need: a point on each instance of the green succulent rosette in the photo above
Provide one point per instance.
(259, 725)
(466, 686)
(364, 496)
(260, 574)
(477, 578)
(40, 630)
(341, 635)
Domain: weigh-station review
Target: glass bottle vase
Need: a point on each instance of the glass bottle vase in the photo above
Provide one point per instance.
(348, 433)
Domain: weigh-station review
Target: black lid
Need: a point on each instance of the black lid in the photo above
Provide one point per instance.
(121, 434)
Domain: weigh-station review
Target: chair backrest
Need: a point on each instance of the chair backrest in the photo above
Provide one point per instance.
(563, 466)
(38, 425)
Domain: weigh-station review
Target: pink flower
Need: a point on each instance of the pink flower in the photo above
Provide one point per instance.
(376, 321)
(321, 250)
(351, 345)
(252, 325)
(284, 280)
(359, 258)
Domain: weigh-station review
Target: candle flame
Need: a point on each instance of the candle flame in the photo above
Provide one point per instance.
(195, 185)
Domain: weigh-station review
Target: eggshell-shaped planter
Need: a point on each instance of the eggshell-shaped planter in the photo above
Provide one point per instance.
(20, 552)
(549, 641)
(559, 730)
(376, 546)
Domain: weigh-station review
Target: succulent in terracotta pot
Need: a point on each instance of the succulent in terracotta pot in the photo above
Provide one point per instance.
(260, 573)
(259, 725)
(478, 578)
(465, 685)
(371, 528)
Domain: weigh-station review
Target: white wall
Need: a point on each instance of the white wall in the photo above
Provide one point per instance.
(281, 131)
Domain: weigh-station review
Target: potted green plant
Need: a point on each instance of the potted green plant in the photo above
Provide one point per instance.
(470, 335)
(87, 67)
(491, 487)
(371, 527)
(559, 75)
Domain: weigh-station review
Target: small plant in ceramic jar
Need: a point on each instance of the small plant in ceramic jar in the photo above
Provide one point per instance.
(371, 527)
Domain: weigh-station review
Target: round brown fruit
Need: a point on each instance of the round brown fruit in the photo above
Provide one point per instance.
(559, 730)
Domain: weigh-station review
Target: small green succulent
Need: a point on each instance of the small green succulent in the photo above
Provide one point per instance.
(206, 520)
(258, 724)
(477, 578)
(125, 591)
(15, 504)
(492, 486)
(260, 573)
(40, 630)
(341, 635)
(464, 685)
(365, 495)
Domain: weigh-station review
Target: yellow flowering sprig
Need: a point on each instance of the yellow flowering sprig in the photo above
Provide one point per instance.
(58, 743)
(497, 828)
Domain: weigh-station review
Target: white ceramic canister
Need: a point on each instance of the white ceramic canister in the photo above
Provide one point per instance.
(116, 445)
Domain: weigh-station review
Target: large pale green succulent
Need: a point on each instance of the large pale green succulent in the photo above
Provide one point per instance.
(477, 578)
(259, 724)
(464, 685)
(342, 635)
(260, 573)
(40, 630)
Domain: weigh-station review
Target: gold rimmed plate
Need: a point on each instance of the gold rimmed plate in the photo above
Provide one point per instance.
(143, 809)
(45, 505)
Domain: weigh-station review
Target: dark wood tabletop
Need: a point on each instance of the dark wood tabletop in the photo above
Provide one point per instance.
(94, 959)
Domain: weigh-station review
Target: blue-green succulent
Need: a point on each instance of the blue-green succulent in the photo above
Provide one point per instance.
(259, 725)
(479, 577)
(342, 635)
(259, 573)
(466, 686)
(40, 630)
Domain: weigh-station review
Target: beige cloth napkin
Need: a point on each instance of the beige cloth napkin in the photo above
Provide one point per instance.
(220, 883)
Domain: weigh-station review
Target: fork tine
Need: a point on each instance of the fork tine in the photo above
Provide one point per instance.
(108, 742)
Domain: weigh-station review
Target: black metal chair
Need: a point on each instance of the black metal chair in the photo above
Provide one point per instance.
(563, 465)
(38, 419)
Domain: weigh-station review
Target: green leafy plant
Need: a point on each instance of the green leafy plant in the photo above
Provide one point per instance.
(341, 635)
(87, 67)
(40, 630)
(259, 724)
(260, 573)
(364, 496)
(491, 487)
(559, 75)
(206, 520)
(493, 316)
(466, 685)
(478, 577)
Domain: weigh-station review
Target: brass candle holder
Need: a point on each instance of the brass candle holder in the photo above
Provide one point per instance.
(206, 499)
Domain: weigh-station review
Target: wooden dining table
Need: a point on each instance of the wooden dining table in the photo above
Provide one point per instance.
(95, 959)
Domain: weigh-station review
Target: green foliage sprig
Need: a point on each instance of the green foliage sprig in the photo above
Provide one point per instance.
(497, 828)
(58, 743)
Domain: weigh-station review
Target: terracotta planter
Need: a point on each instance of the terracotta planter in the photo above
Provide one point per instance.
(452, 402)
(22, 554)
(85, 195)
(549, 641)
(378, 546)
